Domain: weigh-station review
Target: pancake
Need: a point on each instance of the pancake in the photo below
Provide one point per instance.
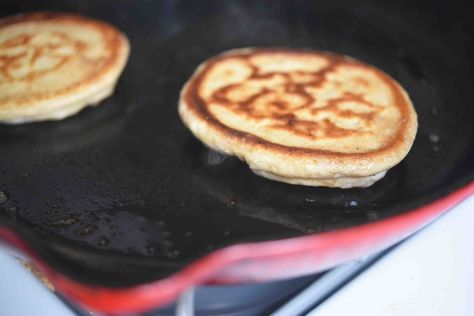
(301, 116)
(52, 65)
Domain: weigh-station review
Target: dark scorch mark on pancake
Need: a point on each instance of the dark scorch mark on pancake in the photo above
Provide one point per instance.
(278, 108)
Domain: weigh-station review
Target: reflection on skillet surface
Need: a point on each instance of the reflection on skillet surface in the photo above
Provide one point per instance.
(306, 209)
(123, 193)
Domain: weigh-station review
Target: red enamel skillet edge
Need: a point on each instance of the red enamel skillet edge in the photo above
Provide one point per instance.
(248, 262)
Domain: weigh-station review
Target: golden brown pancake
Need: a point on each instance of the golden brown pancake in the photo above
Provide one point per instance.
(301, 116)
(53, 65)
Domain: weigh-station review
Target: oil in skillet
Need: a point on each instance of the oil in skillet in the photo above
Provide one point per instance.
(3, 197)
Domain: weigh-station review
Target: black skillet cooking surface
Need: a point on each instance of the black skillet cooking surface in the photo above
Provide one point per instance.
(123, 193)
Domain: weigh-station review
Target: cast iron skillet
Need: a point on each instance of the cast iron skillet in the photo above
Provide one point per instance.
(123, 194)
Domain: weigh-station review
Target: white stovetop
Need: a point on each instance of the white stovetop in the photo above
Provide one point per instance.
(430, 274)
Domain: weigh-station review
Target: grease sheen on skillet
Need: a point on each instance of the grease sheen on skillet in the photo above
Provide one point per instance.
(123, 193)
